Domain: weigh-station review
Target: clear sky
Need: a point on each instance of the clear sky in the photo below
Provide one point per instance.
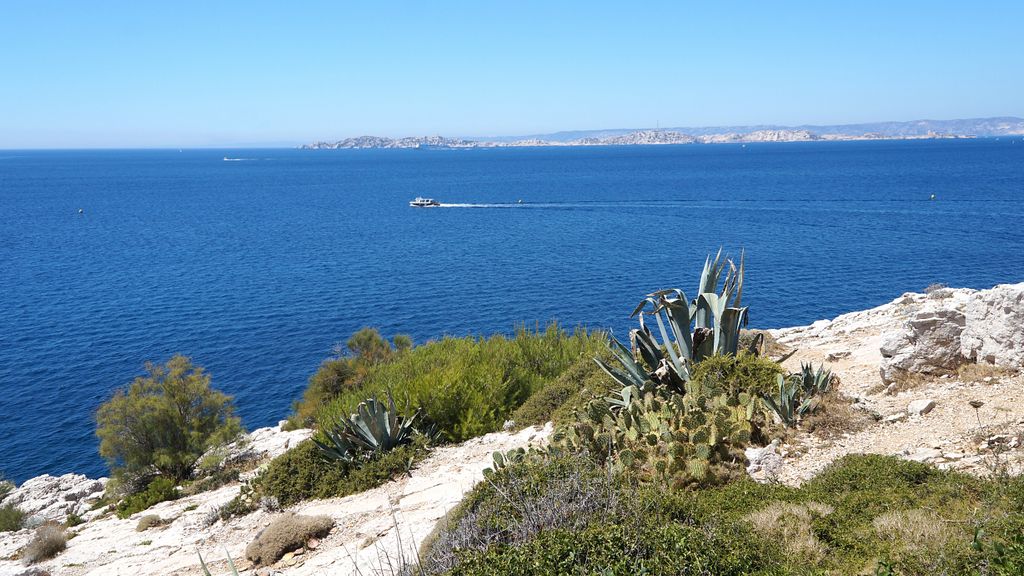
(180, 73)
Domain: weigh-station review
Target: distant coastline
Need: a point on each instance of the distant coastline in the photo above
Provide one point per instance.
(915, 130)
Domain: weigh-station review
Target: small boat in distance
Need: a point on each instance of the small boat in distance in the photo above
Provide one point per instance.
(424, 203)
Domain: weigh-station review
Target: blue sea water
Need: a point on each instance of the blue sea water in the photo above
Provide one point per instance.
(257, 267)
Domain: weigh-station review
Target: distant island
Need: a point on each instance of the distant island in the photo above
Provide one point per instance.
(913, 130)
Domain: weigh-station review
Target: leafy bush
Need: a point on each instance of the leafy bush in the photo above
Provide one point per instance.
(740, 373)
(11, 518)
(287, 532)
(558, 400)
(73, 520)
(6, 487)
(345, 371)
(470, 386)
(159, 490)
(165, 421)
(303, 473)
(47, 541)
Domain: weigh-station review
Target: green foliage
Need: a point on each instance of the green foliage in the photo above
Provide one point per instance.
(165, 421)
(559, 400)
(862, 515)
(303, 473)
(161, 489)
(743, 373)
(11, 518)
(800, 394)
(373, 430)
(6, 487)
(706, 326)
(696, 439)
(469, 386)
(73, 520)
(345, 372)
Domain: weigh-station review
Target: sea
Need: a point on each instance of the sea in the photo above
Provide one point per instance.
(256, 263)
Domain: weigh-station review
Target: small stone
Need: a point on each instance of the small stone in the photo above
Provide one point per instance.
(313, 544)
(920, 407)
(924, 455)
(837, 355)
(952, 455)
(300, 552)
(893, 418)
(288, 558)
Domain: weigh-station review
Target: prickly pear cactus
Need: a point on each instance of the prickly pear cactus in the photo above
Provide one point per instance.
(665, 437)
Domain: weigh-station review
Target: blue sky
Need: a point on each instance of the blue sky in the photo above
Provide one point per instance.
(126, 74)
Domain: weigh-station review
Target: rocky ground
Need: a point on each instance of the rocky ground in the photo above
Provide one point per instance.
(371, 528)
(924, 414)
(909, 372)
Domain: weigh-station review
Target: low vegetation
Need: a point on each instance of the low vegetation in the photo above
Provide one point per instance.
(163, 422)
(862, 514)
(47, 541)
(469, 386)
(11, 518)
(286, 533)
(148, 521)
(159, 490)
(304, 473)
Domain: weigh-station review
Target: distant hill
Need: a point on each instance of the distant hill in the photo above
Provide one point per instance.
(916, 129)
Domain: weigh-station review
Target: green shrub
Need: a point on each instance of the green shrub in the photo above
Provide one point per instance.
(742, 373)
(573, 389)
(11, 518)
(159, 490)
(345, 371)
(148, 521)
(470, 386)
(73, 520)
(47, 541)
(287, 532)
(164, 421)
(303, 473)
(6, 487)
(861, 513)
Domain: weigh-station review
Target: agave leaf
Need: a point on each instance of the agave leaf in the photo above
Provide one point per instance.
(619, 376)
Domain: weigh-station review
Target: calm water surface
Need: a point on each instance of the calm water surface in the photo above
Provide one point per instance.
(257, 267)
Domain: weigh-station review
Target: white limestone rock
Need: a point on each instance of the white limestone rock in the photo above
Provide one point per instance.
(920, 407)
(55, 497)
(994, 333)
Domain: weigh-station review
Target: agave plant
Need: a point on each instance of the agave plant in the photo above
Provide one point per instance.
(371, 431)
(231, 564)
(799, 394)
(690, 330)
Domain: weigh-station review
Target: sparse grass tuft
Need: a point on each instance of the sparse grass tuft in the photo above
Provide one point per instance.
(48, 541)
(790, 525)
(978, 372)
(836, 416)
(148, 521)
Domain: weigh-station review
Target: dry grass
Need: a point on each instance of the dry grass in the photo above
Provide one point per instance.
(901, 383)
(979, 372)
(48, 541)
(791, 524)
(914, 530)
(288, 532)
(148, 521)
(836, 416)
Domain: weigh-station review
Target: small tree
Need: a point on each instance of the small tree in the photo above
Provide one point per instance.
(165, 421)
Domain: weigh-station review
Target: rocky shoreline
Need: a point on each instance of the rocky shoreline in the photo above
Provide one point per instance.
(931, 377)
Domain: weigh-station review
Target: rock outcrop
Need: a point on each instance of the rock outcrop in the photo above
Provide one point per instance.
(947, 328)
(55, 497)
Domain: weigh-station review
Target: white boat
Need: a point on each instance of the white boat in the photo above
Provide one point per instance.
(424, 202)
